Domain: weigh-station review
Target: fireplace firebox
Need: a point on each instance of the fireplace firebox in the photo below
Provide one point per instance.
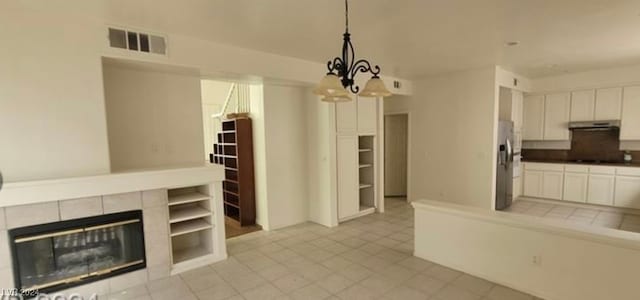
(56, 256)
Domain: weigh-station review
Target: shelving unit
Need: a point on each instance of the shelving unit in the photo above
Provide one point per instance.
(190, 221)
(367, 176)
(234, 150)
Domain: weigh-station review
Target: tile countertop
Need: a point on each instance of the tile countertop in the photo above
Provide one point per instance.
(564, 162)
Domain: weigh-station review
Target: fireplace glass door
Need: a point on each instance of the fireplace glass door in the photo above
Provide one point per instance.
(100, 247)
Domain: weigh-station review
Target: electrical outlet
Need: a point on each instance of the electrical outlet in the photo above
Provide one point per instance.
(536, 260)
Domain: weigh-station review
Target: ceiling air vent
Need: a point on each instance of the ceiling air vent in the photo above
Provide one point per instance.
(137, 41)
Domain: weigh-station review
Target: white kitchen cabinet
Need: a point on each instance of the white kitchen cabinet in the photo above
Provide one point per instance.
(575, 187)
(556, 117)
(583, 104)
(533, 118)
(367, 115)
(630, 127)
(627, 193)
(608, 104)
(348, 181)
(532, 186)
(601, 189)
(347, 117)
(552, 183)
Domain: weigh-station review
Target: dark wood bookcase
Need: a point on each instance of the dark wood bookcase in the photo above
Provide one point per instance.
(234, 150)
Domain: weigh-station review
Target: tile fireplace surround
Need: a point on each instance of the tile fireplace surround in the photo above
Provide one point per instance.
(146, 191)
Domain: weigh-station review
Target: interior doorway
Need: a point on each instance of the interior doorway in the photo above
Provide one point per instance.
(396, 155)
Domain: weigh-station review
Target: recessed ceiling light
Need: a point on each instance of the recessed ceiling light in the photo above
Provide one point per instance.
(512, 43)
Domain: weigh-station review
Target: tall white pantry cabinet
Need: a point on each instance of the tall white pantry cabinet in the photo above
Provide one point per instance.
(358, 128)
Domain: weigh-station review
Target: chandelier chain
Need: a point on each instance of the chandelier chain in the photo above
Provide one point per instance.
(346, 14)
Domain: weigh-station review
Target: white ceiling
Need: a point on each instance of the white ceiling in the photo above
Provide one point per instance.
(411, 38)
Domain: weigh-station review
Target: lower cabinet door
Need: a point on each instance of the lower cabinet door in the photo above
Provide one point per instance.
(601, 189)
(532, 186)
(627, 192)
(348, 182)
(575, 187)
(552, 185)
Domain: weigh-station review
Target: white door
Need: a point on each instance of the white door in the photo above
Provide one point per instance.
(533, 118)
(552, 183)
(348, 182)
(395, 154)
(601, 189)
(367, 115)
(556, 117)
(627, 192)
(532, 183)
(630, 129)
(608, 104)
(583, 104)
(347, 117)
(575, 187)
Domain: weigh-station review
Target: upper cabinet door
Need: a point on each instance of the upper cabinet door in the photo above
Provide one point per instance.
(556, 117)
(630, 129)
(608, 104)
(347, 117)
(367, 115)
(533, 118)
(583, 104)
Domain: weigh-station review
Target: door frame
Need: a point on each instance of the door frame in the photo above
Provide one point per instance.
(384, 150)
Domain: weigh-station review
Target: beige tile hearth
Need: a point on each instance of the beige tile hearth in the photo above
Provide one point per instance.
(356, 260)
(25, 215)
(80, 208)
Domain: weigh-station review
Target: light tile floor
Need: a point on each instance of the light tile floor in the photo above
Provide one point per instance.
(582, 214)
(367, 258)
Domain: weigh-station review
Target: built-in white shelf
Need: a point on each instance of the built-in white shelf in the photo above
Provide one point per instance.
(190, 226)
(366, 165)
(365, 150)
(185, 213)
(364, 185)
(186, 254)
(187, 198)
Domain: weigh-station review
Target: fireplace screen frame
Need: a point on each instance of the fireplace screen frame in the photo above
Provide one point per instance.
(61, 227)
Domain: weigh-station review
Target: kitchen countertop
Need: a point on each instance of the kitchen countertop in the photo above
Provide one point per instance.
(564, 162)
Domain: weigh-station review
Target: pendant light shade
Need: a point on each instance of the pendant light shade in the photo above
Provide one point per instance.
(336, 99)
(375, 88)
(330, 86)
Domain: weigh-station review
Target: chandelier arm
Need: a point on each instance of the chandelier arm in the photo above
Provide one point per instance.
(335, 64)
(363, 66)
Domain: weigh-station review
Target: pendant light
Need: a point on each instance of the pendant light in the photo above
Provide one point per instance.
(342, 72)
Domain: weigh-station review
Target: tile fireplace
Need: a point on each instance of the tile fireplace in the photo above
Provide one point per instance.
(56, 256)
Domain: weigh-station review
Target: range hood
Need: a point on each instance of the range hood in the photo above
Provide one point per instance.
(595, 125)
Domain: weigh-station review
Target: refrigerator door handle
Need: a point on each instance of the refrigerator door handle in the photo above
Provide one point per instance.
(509, 154)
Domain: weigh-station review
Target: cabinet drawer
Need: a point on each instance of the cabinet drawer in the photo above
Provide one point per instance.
(602, 170)
(576, 168)
(628, 171)
(544, 167)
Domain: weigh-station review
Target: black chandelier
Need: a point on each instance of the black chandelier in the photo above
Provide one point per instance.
(343, 70)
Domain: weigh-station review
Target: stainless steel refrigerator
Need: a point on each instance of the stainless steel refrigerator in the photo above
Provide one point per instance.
(504, 167)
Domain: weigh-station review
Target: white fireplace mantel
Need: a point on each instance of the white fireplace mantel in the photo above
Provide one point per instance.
(30, 192)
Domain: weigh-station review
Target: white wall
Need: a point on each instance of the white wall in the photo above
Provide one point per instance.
(154, 117)
(52, 118)
(322, 193)
(280, 155)
(286, 132)
(452, 137)
(51, 90)
(574, 264)
(613, 77)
